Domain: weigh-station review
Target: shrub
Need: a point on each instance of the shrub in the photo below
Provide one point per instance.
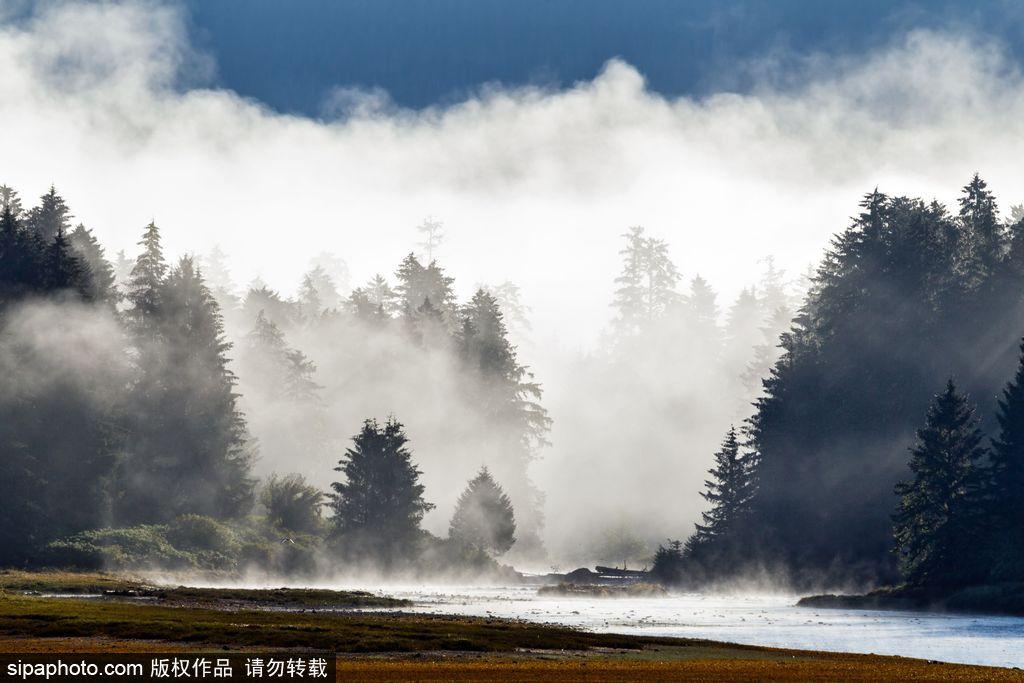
(196, 533)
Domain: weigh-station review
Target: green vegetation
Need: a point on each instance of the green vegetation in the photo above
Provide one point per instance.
(187, 542)
(125, 587)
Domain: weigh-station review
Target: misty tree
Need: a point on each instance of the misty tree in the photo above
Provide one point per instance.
(982, 227)
(144, 287)
(729, 491)
(188, 439)
(379, 505)
(59, 437)
(262, 299)
(101, 273)
(898, 299)
(10, 201)
(742, 330)
(374, 302)
(418, 283)
(218, 279)
(50, 217)
(1006, 490)
(937, 521)
(122, 268)
(320, 282)
(1016, 212)
(646, 286)
(281, 370)
(669, 563)
(484, 518)
(510, 400)
(335, 270)
(309, 303)
(510, 302)
(292, 504)
(432, 231)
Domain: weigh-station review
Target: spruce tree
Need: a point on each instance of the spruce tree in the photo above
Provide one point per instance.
(982, 227)
(509, 399)
(484, 518)
(1006, 504)
(417, 283)
(729, 491)
(101, 273)
(144, 287)
(379, 505)
(937, 522)
(50, 217)
(10, 201)
(645, 289)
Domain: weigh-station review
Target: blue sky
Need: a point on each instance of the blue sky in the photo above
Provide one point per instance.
(423, 52)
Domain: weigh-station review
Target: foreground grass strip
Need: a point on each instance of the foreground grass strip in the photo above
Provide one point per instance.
(340, 632)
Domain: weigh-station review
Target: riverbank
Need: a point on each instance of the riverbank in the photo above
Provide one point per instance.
(996, 599)
(74, 612)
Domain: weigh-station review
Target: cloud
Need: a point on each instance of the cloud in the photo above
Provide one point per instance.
(533, 184)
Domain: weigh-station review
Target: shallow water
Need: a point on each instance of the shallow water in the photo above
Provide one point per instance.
(771, 620)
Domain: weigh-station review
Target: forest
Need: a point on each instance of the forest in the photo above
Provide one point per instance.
(155, 416)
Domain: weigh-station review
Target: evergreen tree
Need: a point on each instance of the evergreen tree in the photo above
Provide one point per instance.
(646, 286)
(729, 491)
(937, 525)
(309, 303)
(284, 313)
(321, 282)
(283, 371)
(484, 518)
(64, 270)
(433, 235)
(187, 439)
(21, 260)
(144, 287)
(1006, 506)
(379, 506)
(510, 302)
(509, 400)
(418, 283)
(669, 563)
(51, 217)
(10, 201)
(982, 227)
(101, 273)
(381, 295)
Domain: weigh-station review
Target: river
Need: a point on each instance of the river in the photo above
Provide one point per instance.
(770, 620)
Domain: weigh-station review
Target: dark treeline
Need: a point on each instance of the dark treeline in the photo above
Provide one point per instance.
(819, 482)
(127, 437)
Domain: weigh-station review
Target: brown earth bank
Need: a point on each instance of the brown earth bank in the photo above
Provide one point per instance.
(1005, 599)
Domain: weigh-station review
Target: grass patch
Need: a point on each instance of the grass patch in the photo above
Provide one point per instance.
(340, 632)
(128, 587)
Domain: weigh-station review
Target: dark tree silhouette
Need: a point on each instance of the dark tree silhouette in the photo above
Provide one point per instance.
(101, 273)
(379, 506)
(50, 217)
(729, 491)
(1006, 505)
(937, 521)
